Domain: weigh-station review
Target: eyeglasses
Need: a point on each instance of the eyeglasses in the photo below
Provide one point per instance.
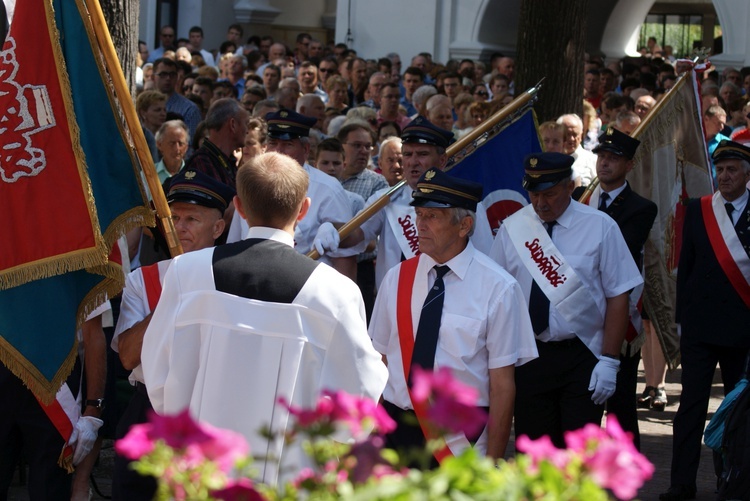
(326, 70)
(167, 74)
(481, 93)
(358, 146)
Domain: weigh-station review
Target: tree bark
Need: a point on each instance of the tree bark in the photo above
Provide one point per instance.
(551, 44)
(122, 21)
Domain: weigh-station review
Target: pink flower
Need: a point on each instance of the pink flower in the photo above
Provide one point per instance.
(451, 404)
(177, 431)
(542, 449)
(136, 443)
(224, 447)
(616, 464)
(305, 475)
(585, 439)
(238, 490)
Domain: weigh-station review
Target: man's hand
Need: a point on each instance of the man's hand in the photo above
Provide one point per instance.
(83, 436)
(327, 239)
(604, 379)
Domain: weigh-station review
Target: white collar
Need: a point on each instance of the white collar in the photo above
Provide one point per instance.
(459, 264)
(267, 233)
(614, 193)
(738, 203)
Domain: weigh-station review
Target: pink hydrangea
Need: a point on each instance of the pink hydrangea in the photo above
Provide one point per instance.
(452, 405)
(238, 490)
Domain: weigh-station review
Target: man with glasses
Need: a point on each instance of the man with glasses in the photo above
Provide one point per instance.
(166, 38)
(357, 178)
(327, 67)
(165, 80)
(389, 101)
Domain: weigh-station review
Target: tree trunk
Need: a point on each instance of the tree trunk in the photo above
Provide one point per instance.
(551, 44)
(122, 21)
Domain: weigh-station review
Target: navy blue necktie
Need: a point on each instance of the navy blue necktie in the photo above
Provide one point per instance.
(730, 210)
(429, 323)
(603, 201)
(538, 301)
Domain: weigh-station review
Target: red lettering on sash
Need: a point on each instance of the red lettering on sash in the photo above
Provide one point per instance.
(410, 233)
(548, 265)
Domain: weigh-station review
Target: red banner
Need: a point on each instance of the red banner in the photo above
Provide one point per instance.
(42, 160)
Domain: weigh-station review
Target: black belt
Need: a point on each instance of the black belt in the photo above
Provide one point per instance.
(565, 343)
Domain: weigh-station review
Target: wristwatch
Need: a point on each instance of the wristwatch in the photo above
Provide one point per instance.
(97, 403)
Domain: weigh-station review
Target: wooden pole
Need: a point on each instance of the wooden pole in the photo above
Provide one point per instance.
(453, 149)
(122, 93)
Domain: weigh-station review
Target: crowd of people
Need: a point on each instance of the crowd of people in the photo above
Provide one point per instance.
(264, 148)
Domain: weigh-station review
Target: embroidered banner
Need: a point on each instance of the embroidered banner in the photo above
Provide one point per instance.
(69, 187)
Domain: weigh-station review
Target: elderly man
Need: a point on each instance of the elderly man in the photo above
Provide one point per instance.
(470, 317)
(643, 105)
(226, 122)
(584, 165)
(165, 80)
(423, 148)
(575, 271)
(312, 105)
(288, 133)
(172, 143)
(197, 203)
(236, 73)
(257, 311)
(713, 306)
(374, 85)
(634, 216)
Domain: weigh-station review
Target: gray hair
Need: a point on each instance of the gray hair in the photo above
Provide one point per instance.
(395, 140)
(221, 112)
(334, 126)
(571, 117)
(307, 101)
(169, 124)
(422, 94)
(458, 213)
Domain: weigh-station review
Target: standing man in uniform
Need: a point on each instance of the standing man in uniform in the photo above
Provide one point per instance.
(713, 306)
(462, 311)
(197, 202)
(634, 216)
(241, 325)
(423, 147)
(288, 133)
(576, 272)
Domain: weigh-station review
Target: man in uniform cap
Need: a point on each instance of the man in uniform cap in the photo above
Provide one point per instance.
(463, 312)
(713, 307)
(241, 325)
(575, 272)
(634, 216)
(288, 133)
(423, 147)
(197, 202)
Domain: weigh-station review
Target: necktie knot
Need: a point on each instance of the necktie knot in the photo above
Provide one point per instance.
(549, 225)
(603, 201)
(441, 271)
(730, 209)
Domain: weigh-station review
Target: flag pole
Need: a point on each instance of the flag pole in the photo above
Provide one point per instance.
(143, 155)
(464, 146)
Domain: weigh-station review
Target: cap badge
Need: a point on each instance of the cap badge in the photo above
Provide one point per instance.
(283, 114)
(429, 175)
(610, 131)
(533, 161)
(190, 174)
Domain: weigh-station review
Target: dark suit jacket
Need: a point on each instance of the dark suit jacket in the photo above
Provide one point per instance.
(708, 307)
(634, 215)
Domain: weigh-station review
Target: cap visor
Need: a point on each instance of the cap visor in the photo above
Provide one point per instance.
(608, 147)
(540, 186)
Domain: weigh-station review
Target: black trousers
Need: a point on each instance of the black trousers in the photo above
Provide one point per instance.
(622, 404)
(366, 283)
(699, 361)
(25, 427)
(126, 483)
(552, 394)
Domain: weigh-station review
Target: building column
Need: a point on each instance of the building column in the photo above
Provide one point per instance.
(734, 16)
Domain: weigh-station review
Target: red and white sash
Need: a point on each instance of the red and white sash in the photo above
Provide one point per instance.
(452, 444)
(403, 222)
(727, 247)
(635, 327)
(556, 277)
(63, 413)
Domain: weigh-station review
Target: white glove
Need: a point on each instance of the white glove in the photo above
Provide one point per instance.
(679, 331)
(327, 239)
(83, 437)
(604, 379)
